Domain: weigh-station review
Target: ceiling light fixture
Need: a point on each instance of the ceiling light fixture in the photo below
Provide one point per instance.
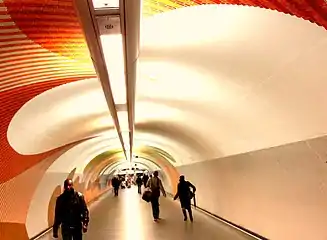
(112, 47)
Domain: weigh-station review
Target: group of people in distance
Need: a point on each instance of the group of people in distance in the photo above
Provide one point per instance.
(72, 214)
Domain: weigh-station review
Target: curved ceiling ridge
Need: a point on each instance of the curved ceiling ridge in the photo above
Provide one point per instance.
(314, 11)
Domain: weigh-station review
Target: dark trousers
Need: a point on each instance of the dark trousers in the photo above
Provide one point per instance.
(116, 190)
(186, 205)
(155, 207)
(71, 233)
(189, 209)
(139, 188)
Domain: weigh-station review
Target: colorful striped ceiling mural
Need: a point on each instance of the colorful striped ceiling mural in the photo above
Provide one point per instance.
(42, 46)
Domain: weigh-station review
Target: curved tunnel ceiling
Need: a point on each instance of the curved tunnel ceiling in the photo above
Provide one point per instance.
(242, 85)
(312, 10)
(221, 91)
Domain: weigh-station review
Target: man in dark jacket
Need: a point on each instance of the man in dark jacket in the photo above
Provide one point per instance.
(115, 182)
(145, 179)
(139, 183)
(71, 213)
(185, 195)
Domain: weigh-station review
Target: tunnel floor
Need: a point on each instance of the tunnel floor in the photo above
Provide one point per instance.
(128, 217)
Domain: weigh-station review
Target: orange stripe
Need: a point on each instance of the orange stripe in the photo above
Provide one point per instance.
(28, 16)
(57, 35)
(18, 38)
(19, 48)
(35, 73)
(36, 67)
(11, 87)
(26, 57)
(16, 44)
(26, 3)
(38, 79)
(25, 53)
(9, 84)
(29, 60)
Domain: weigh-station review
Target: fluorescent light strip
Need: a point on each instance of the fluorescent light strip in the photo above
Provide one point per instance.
(112, 46)
(123, 121)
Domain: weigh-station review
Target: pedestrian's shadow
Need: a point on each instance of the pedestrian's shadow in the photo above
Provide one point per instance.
(188, 227)
(161, 221)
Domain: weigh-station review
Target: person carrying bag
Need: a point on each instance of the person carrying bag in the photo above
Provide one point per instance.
(147, 194)
(155, 186)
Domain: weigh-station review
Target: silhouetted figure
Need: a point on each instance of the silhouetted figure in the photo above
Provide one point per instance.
(139, 183)
(145, 179)
(71, 213)
(156, 186)
(185, 195)
(115, 182)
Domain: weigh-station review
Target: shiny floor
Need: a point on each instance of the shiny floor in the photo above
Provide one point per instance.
(128, 217)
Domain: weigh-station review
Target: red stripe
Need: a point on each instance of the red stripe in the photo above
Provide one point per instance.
(16, 33)
(9, 27)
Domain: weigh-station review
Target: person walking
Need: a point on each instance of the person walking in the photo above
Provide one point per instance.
(71, 213)
(115, 182)
(155, 186)
(185, 195)
(139, 183)
(145, 179)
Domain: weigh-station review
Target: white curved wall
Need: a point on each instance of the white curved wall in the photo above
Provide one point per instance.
(278, 192)
(245, 78)
(62, 115)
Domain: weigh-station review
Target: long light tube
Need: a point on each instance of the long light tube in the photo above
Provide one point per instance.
(123, 121)
(112, 46)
